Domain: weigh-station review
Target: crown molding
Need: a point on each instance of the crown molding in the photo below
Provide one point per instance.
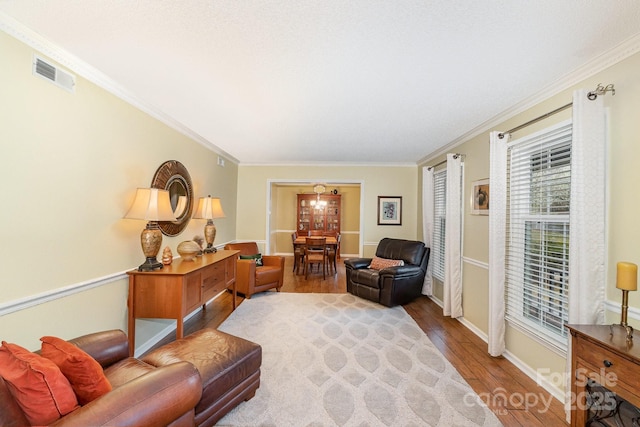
(599, 63)
(34, 40)
(330, 164)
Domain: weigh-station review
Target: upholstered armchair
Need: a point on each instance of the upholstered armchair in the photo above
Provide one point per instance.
(394, 276)
(252, 278)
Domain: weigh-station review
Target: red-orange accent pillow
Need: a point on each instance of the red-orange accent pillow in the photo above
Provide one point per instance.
(83, 372)
(37, 384)
(380, 263)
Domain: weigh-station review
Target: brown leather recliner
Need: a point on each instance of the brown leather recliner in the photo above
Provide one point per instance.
(251, 279)
(142, 394)
(392, 285)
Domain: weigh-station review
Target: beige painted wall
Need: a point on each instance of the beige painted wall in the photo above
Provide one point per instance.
(623, 204)
(72, 162)
(375, 181)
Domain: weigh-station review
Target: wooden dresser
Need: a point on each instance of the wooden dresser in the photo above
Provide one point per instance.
(608, 359)
(179, 288)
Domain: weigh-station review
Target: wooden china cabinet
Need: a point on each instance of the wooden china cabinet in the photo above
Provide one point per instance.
(325, 218)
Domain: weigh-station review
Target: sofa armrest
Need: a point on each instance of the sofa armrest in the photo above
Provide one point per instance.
(273, 260)
(357, 263)
(401, 271)
(107, 347)
(245, 268)
(156, 398)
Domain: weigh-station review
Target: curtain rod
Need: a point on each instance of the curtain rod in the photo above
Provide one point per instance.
(455, 156)
(536, 120)
(600, 90)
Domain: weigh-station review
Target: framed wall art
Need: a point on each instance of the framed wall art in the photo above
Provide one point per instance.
(389, 210)
(480, 197)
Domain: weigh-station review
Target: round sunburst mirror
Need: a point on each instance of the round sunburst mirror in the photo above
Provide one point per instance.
(174, 177)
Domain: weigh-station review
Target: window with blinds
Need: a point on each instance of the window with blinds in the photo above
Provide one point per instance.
(537, 262)
(440, 204)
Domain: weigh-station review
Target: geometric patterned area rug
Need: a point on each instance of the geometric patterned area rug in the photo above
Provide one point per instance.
(339, 360)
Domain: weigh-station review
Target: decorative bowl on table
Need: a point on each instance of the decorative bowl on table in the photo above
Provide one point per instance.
(188, 250)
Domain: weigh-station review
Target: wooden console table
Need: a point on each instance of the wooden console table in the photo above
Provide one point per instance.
(178, 289)
(608, 359)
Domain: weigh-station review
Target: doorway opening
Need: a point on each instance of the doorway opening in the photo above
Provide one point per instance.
(282, 213)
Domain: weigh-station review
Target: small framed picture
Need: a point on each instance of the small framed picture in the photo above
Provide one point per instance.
(389, 210)
(480, 197)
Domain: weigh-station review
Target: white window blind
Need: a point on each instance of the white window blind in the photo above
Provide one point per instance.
(440, 210)
(537, 255)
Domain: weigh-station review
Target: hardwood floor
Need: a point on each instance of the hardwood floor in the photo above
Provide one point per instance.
(514, 397)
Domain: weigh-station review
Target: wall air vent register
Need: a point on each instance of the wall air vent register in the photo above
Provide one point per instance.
(55, 75)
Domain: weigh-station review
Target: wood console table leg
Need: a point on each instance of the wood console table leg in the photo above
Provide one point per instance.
(234, 294)
(180, 328)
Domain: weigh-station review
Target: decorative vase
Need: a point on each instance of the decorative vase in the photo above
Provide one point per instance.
(167, 256)
(210, 236)
(200, 241)
(188, 250)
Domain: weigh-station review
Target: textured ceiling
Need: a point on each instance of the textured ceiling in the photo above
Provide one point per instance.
(300, 81)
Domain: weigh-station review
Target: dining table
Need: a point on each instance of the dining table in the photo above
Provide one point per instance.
(330, 242)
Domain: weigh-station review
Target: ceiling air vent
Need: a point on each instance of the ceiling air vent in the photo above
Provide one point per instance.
(54, 74)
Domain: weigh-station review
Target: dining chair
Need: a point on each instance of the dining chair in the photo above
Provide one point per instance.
(298, 253)
(315, 253)
(316, 232)
(332, 253)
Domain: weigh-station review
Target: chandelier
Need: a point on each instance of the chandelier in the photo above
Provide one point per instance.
(317, 203)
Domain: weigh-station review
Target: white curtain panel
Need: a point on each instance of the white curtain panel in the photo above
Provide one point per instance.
(427, 224)
(452, 240)
(497, 240)
(587, 210)
(587, 249)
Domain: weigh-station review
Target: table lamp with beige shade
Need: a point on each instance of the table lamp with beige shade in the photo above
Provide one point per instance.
(626, 280)
(209, 208)
(152, 205)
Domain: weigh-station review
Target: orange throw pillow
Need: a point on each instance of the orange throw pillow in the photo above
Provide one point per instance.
(37, 384)
(380, 263)
(83, 372)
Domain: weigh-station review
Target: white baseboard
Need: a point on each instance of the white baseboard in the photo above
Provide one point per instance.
(551, 388)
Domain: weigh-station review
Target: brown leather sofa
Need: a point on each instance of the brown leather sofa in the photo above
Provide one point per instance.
(251, 279)
(142, 394)
(194, 380)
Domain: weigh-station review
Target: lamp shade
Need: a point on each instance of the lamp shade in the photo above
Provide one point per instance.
(151, 204)
(209, 208)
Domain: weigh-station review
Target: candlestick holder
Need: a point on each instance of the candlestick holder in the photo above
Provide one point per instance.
(623, 314)
(626, 280)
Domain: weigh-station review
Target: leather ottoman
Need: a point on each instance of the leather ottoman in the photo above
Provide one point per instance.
(229, 367)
